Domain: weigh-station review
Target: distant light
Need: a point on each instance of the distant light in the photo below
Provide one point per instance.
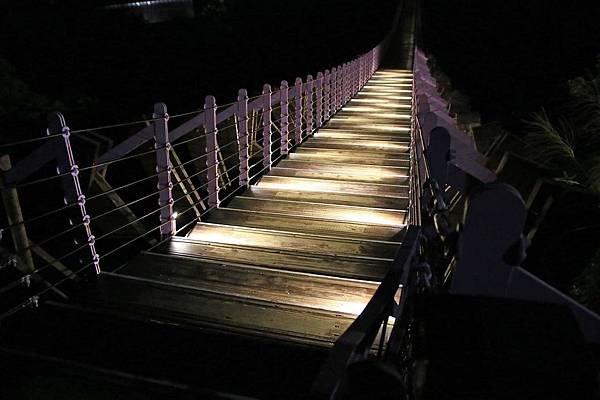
(175, 215)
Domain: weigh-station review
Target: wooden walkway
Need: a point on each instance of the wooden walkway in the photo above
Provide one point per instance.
(298, 254)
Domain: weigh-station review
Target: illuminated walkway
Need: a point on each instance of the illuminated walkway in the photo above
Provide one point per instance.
(299, 254)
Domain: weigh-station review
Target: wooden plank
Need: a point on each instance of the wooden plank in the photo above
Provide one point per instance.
(382, 116)
(292, 241)
(371, 146)
(360, 135)
(375, 216)
(397, 203)
(401, 161)
(324, 165)
(339, 174)
(227, 313)
(276, 286)
(379, 146)
(329, 186)
(357, 151)
(295, 223)
(293, 261)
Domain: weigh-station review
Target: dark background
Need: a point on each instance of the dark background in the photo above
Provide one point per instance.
(512, 57)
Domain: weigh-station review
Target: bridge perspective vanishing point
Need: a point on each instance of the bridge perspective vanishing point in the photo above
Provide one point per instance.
(294, 234)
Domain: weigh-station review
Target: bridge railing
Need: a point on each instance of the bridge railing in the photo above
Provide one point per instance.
(74, 207)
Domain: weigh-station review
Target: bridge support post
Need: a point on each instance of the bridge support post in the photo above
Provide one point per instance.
(344, 86)
(333, 91)
(242, 136)
(326, 95)
(298, 112)
(163, 168)
(267, 127)
(340, 87)
(359, 73)
(71, 184)
(308, 110)
(212, 164)
(319, 96)
(14, 216)
(284, 115)
(355, 76)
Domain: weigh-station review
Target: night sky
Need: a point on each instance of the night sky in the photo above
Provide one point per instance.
(512, 57)
(509, 57)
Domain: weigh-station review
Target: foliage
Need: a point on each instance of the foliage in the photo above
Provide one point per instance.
(585, 287)
(569, 146)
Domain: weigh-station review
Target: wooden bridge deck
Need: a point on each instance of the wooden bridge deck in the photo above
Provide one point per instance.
(298, 254)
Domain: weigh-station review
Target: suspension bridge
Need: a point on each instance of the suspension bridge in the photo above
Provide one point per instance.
(295, 231)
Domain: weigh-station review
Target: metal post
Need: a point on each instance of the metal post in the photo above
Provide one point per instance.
(242, 132)
(345, 77)
(71, 185)
(14, 217)
(340, 87)
(212, 165)
(284, 99)
(333, 91)
(355, 83)
(298, 112)
(163, 168)
(362, 71)
(326, 95)
(267, 126)
(309, 104)
(319, 96)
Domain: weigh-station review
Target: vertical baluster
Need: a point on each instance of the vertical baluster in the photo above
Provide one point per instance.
(319, 97)
(212, 165)
(163, 168)
(284, 115)
(361, 74)
(309, 104)
(298, 111)
(340, 87)
(355, 77)
(333, 91)
(242, 136)
(326, 95)
(346, 83)
(266, 117)
(71, 184)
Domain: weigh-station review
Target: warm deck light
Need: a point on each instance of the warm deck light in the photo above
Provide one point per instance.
(367, 109)
(367, 144)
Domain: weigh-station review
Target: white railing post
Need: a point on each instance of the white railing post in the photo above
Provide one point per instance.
(298, 111)
(346, 83)
(319, 96)
(372, 67)
(73, 192)
(242, 136)
(284, 115)
(361, 74)
(356, 75)
(340, 87)
(163, 168)
(333, 91)
(309, 104)
(266, 117)
(354, 72)
(212, 165)
(326, 95)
